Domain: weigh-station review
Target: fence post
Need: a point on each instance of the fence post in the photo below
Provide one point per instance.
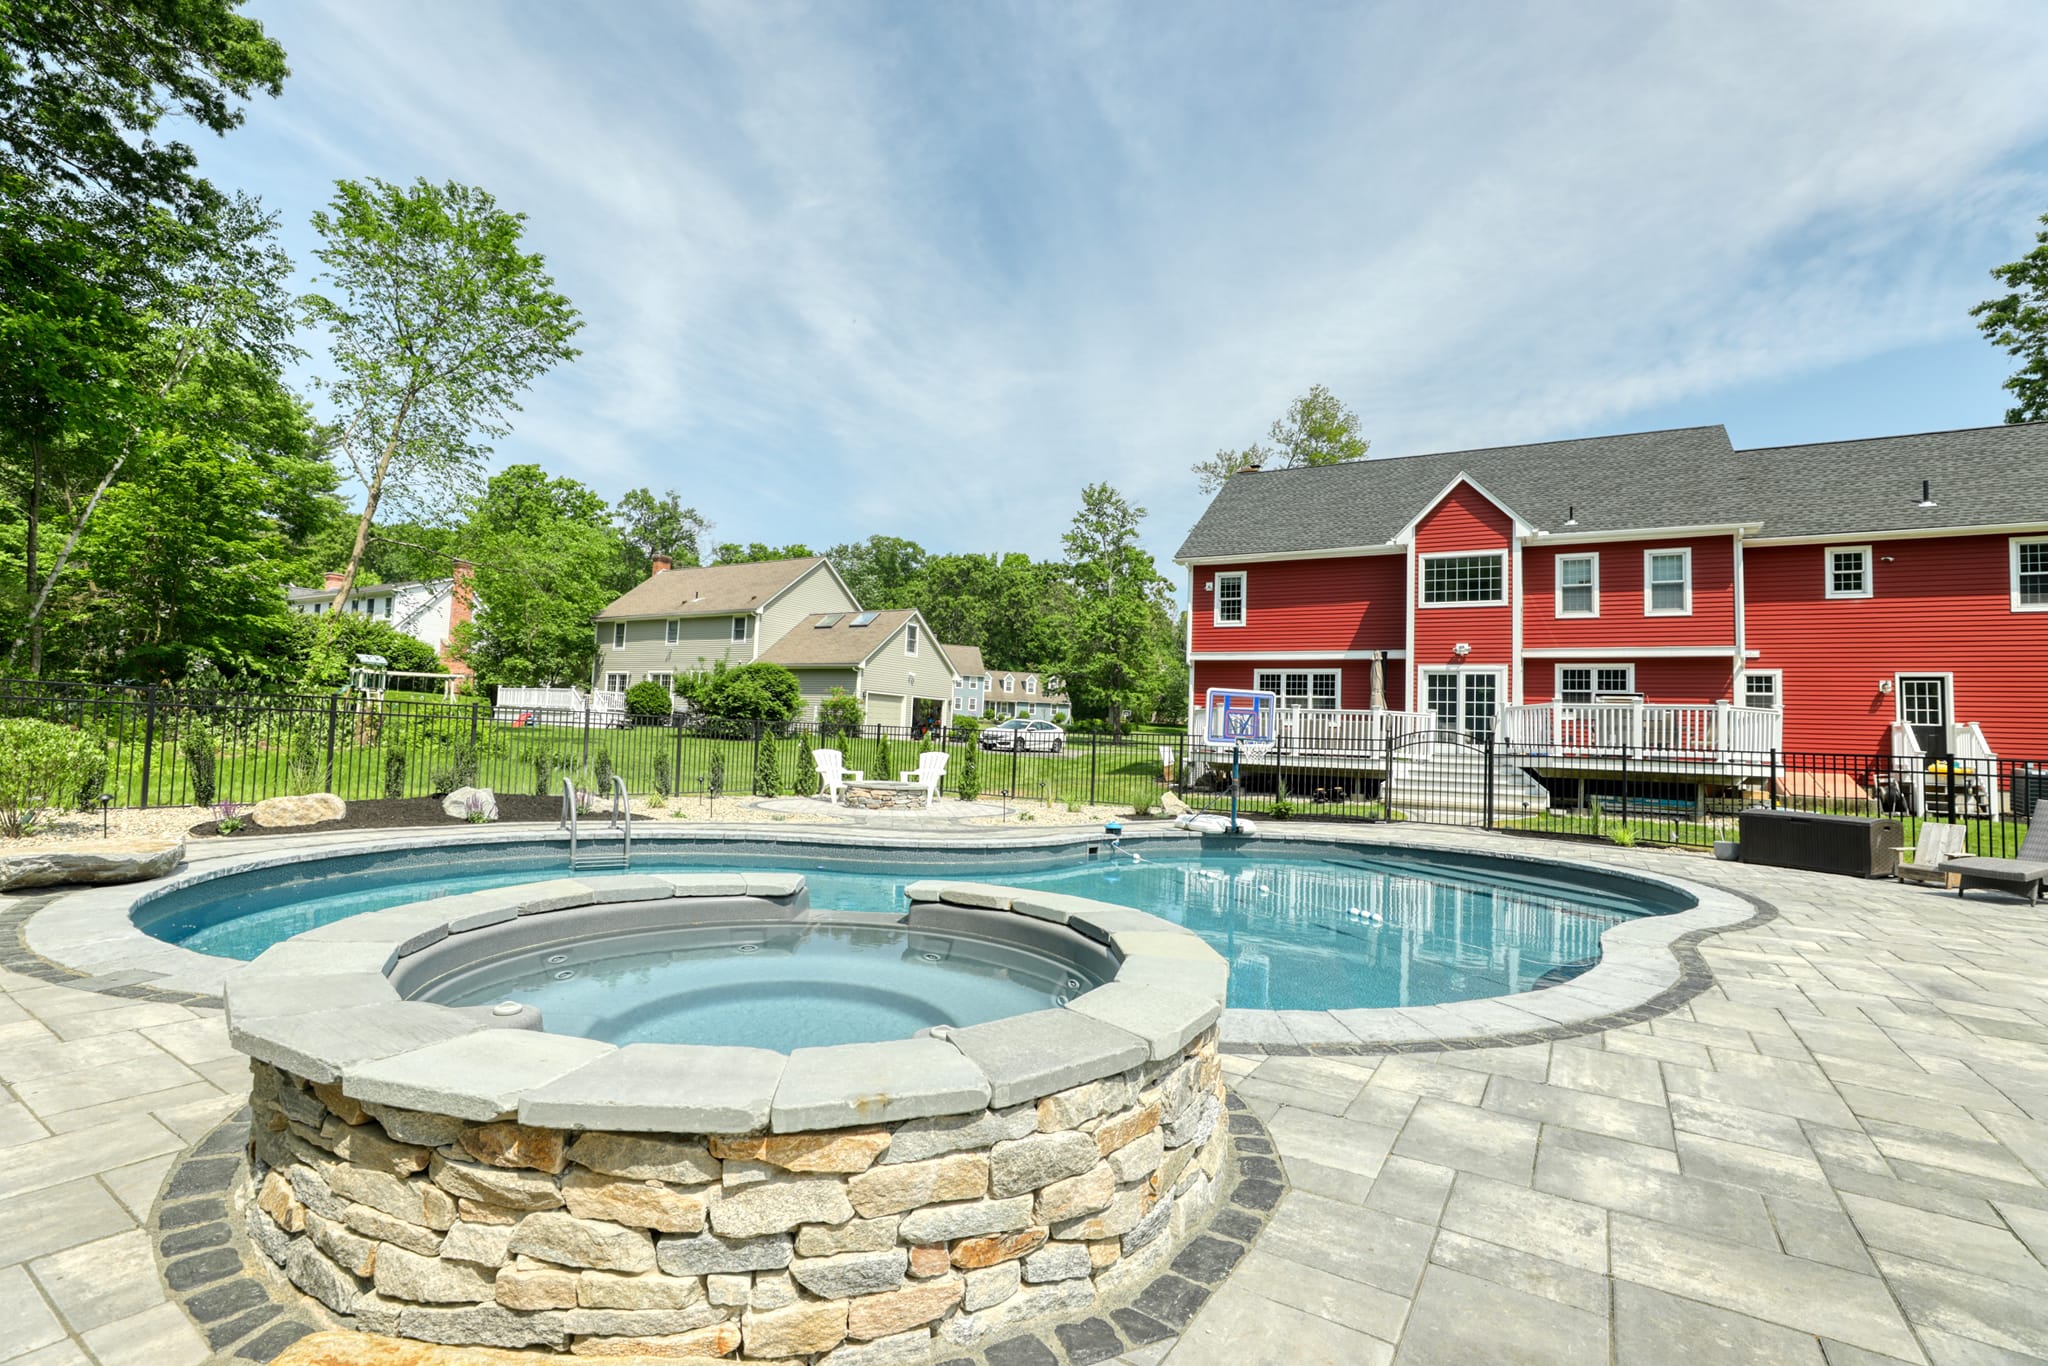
(333, 716)
(148, 740)
(1774, 780)
(754, 780)
(676, 773)
(588, 707)
(1624, 787)
(1094, 747)
(1486, 810)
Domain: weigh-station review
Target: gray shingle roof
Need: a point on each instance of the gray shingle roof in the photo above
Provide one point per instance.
(1689, 476)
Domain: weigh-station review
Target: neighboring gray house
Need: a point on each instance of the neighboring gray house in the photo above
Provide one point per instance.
(796, 613)
(889, 660)
(429, 611)
(1021, 692)
(970, 691)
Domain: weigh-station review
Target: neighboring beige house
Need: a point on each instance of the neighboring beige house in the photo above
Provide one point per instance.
(796, 613)
(970, 690)
(1021, 692)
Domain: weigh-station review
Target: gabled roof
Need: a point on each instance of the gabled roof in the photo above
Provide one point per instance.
(966, 660)
(1015, 693)
(1686, 477)
(813, 644)
(708, 590)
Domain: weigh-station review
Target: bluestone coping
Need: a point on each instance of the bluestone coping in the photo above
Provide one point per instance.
(662, 1088)
(875, 1083)
(1028, 1056)
(1167, 1020)
(479, 1076)
(321, 1044)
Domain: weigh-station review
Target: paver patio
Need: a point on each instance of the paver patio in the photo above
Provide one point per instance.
(1834, 1155)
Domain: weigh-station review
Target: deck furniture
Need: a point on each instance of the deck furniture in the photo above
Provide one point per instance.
(1857, 846)
(833, 774)
(931, 768)
(1938, 843)
(2020, 876)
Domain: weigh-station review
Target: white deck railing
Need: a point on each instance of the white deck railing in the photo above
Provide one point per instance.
(1976, 767)
(1712, 731)
(557, 705)
(1320, 731)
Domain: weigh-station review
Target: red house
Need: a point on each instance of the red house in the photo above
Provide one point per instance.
(1660, 591)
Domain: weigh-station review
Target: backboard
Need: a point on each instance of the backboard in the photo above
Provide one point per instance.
(1240, 716)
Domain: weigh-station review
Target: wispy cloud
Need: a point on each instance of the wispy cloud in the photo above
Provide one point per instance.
(928, 269)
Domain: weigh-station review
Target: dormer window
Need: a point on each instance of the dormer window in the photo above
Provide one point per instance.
(1030, 684)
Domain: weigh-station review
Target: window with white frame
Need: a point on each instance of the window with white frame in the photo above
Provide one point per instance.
(1590, 682)
(615, 682)
(2030, 574)
(739, 629)
(910, 639)
(667, 680)
(1230, 599)
(618, 635)
(1031, 684)
(1464, 580)
(1848, 571)
(675, 632)
(1764, 689)
(1667, 583)
(1578, 585)
(1315, 689)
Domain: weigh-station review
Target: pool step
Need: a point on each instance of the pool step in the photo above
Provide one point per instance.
(599, 854)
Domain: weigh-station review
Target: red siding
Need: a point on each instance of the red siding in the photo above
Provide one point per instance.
(1942, 605)
(1465, 520)
(1350, 603)
(1354, 680)
(1659, 680)
(1621, 620)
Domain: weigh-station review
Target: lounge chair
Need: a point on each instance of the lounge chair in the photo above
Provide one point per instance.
(833, 774)
(1939, 842)
(930, 769)
(2020, 876)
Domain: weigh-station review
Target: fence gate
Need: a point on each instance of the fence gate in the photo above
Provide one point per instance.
(1441, 777)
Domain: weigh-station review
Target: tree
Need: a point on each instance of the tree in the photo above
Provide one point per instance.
(752, 692)
(1317, 429)
(1114, 645)
(754, 552)
(2018, 322)
(881, 571)
(653, 526)
(437, 322)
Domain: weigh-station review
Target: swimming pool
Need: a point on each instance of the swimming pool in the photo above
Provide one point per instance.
(1304, 927)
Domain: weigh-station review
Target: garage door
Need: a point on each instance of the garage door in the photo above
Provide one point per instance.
(885, 709)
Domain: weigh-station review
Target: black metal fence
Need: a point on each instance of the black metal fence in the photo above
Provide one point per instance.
(175, 747)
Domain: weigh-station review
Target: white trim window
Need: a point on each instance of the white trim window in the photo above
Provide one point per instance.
(1591, 682)
(1578, 585)
(1232, 598)
(910, 640)
(675, 631)
(667, 680)
(1764, 689)
(615, 682)
(1031, 685)
(1464, 579)
(739, 630)
(1848, 571)
(1667, 582)
(2030, 573)
(1307, 689)
(618, 635)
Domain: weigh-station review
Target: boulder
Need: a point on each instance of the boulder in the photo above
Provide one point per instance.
(457, 804)
(285, 813)
(101, 861)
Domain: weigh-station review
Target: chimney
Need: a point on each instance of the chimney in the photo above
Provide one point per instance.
(461, 608)
(662, 564)
(334, 578)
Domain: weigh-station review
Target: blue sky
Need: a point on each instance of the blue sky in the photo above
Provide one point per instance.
(926, 269)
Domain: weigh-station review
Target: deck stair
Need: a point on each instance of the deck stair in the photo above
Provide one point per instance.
(1450, 779)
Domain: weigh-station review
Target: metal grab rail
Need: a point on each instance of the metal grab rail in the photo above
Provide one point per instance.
(621, 819)
(622, 806)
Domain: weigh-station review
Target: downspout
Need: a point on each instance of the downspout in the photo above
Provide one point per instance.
(1515, 628)
(1412, 672)
(1741, 628)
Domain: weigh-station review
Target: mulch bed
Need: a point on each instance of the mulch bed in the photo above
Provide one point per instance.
(395, 813)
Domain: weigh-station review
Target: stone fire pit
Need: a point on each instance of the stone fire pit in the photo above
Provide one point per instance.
(438, 1178)
(876, 795)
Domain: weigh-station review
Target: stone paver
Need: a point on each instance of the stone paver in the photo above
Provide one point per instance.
(1833, 1155)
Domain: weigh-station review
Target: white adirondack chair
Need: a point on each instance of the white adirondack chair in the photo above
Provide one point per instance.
(930, 769)
(1939, 842)
(833, 774)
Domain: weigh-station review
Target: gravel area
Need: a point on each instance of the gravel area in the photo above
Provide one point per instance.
(81, 827)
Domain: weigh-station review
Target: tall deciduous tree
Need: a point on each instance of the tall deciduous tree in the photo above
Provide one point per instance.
(1317, 429)
(437, 322)
(654, 526)
(754, 552)
(882, 571)
(2018, 322)
(1115, 650)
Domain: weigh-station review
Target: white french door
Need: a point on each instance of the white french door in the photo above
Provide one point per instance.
(1465, 698)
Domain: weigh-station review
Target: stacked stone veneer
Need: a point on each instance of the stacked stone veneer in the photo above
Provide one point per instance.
(854, 1247)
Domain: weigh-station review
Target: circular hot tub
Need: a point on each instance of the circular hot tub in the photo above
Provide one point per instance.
(713, 1120)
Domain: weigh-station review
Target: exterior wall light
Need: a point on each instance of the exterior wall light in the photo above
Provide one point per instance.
(1884, 685)
(1461, 649)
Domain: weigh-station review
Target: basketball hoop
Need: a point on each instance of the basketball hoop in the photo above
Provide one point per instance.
(1239, 720)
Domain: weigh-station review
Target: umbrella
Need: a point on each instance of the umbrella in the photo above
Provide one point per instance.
(1379, 680)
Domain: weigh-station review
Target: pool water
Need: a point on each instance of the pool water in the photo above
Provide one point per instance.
(770, 986)
(1304, 927)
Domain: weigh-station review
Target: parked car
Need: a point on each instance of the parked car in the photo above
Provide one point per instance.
(1021, 733)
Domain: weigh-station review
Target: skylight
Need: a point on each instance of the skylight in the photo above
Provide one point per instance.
(864, 619)
(829, 619)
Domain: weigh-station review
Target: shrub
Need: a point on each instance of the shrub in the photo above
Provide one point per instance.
(839, 714)
(476, 810)
(752, 692)
(807, 781)
(1282, 808)
(302, 771)
(394, 775)
(93, 779)
(664, 778)
(714, 781)
(42, 765)
(767, 770)
(967, 781)
(231, 819)
(543, 774)
(601, 773)
(465, 760)
(648, 698)
(1623, 835)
